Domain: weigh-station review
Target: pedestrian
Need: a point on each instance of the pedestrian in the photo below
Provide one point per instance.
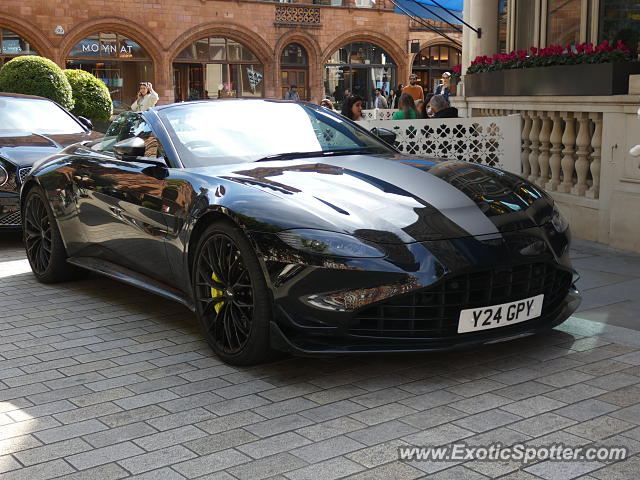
(326, 103)
(380, 101)
(420, 108)
(391, 99)
(352, 107)
(413, 88)
(396, 96)
(292, 94)
(146, 98)
(426, 108)
(444, 88)
(337, 94)
(441, 107)
(407, 109)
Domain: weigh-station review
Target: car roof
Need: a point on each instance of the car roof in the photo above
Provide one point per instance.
(20, 95)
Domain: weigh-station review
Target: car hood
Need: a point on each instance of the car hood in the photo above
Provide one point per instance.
(398, 199)
(23, 149)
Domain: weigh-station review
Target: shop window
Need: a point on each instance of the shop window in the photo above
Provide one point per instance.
(216, 67)
(120, 62)
(13, 45)
(360, 67)
(620, 20)
(563, 22)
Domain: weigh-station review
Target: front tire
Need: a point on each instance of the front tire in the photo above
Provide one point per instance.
(43, 243)
(233, 303)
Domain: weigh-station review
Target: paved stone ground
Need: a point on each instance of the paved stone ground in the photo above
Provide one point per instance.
(102, 381)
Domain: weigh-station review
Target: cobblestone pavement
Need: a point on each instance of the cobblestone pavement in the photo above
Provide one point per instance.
(102, 381)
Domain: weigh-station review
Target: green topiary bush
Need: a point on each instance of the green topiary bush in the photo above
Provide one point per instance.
(90, 95)
(34, 75)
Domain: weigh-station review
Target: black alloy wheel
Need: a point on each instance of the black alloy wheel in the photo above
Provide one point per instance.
(37, 234)
(232, 300)
(43, 243)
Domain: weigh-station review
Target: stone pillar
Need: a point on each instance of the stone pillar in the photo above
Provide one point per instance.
(484, 15)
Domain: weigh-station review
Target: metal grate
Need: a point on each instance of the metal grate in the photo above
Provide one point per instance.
(434, 311)
(23, 172)
(12, 219)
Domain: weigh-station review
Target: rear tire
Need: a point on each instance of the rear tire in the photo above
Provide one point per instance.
(43, 243)
(233, 303)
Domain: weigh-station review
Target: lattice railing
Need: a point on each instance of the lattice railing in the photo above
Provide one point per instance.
(290, 15)
(493, 141)
(378, 113)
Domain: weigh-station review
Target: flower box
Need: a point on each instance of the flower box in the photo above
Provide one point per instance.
(571, 80)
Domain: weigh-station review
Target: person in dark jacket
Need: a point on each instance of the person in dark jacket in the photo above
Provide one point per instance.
(441, 107)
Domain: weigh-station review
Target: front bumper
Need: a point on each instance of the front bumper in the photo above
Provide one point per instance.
(308, 345)
(320, 306)
(10, 211)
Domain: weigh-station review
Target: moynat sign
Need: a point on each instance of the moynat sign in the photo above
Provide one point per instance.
(106, 48)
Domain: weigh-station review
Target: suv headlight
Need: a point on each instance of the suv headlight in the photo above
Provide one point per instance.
(321, 242)
(558, 221)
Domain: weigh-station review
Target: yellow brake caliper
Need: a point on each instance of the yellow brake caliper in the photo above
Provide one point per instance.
(216, 293)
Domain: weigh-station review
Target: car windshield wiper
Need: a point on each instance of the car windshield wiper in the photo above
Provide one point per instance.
(319, 153)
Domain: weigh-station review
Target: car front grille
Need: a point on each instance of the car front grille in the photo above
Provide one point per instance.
(10, 219)
(23, 172)
(434, 311)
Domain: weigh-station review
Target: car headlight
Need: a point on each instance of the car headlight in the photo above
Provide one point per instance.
(558, 221)
(321, 242)
(4, 175)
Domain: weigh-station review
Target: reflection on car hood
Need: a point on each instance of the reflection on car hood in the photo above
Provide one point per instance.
(23, 149)
(399, 200)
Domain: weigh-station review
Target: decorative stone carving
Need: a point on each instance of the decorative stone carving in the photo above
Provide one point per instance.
(288, 15)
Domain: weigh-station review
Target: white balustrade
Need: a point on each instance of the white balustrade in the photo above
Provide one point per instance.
(596, 145)
(534, 137)
(559, 150)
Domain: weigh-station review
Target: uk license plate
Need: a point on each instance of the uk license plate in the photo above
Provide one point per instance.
(494, 316)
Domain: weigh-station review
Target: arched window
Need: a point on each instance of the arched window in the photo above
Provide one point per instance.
(217, 67)
(120, 62)
(432, 62)
(13, 45)
(359, 67)
(294, 69)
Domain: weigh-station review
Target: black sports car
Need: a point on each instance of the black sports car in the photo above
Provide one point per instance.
(285, 226)
(31, 128)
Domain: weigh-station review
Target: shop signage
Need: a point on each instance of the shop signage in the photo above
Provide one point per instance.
(106, 48)
(254, 78)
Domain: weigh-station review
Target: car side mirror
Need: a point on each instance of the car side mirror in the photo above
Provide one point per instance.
(86, 122)
(387, 136)
(129, 148)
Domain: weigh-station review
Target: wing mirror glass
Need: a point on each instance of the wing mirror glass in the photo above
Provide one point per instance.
(86, 122)
(387, 136)
(129, 148)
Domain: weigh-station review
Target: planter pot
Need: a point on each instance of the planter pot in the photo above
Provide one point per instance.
(570, 80)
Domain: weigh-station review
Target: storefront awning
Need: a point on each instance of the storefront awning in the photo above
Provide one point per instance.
(439, 10)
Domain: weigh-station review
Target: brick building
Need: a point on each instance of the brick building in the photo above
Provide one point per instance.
(194, 49)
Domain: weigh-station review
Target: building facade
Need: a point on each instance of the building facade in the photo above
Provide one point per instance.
(192, 49)
(576, 147)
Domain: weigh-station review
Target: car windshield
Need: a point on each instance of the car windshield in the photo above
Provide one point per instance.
(225, 131)
(35, 116)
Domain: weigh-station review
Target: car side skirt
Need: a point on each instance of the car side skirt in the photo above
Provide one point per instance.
(125, 275)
